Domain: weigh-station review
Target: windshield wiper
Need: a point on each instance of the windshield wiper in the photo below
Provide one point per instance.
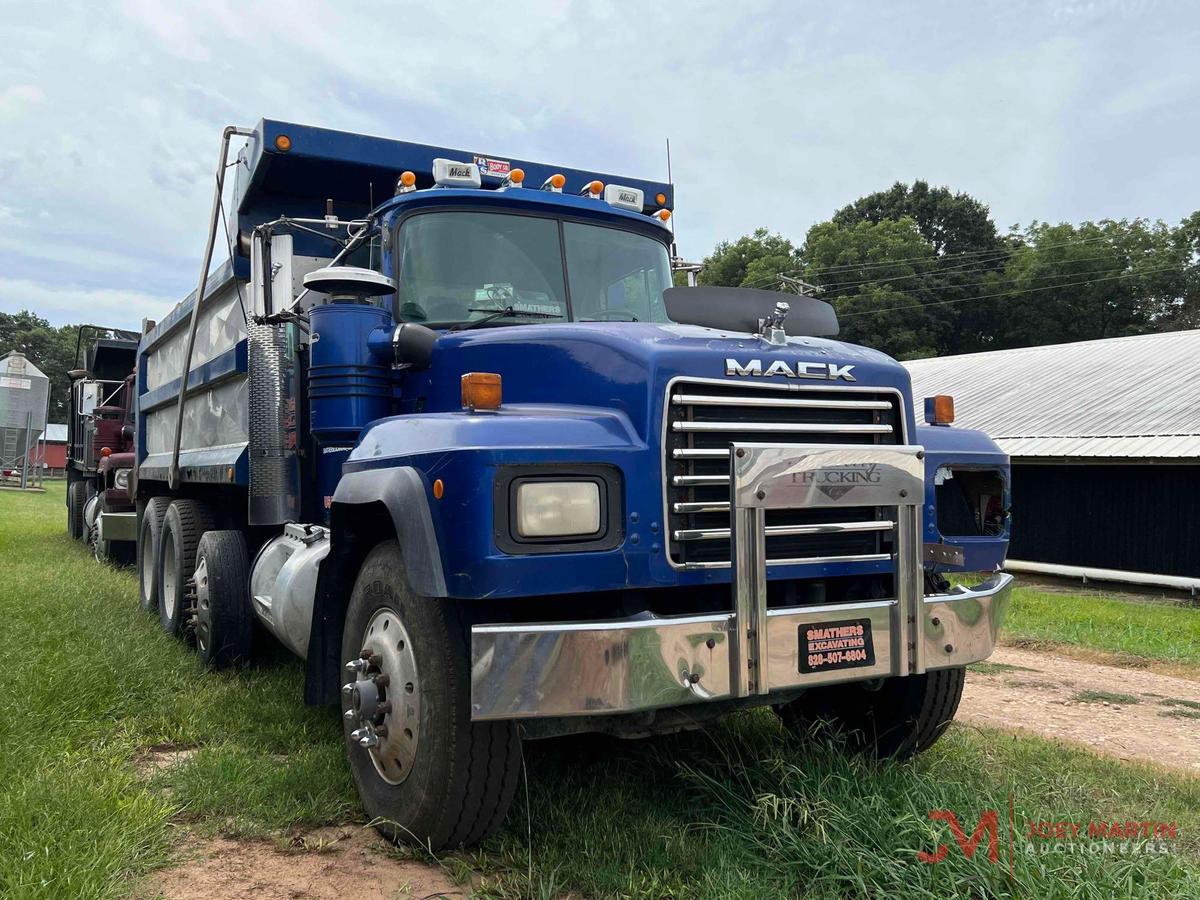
(509, 312)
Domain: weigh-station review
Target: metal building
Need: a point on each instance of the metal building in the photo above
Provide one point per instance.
(24, 395)
(1104, 438)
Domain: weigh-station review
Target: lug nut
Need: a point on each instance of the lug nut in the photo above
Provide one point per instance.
(349, 715)
(382, 681)
(347, 688)
(355, 665)
(369, 741)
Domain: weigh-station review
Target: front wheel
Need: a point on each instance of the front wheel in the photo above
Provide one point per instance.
(77, 497)
(425, 772)
(897, 718)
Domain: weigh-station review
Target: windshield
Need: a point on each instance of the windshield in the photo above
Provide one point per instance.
(459, 267)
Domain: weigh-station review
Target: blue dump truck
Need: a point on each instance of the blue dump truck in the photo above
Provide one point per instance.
(444, 428)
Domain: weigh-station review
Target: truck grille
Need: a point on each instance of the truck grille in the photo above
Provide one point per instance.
(703, 418)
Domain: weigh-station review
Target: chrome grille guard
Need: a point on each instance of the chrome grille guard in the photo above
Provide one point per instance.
(806, 476)
(608, 666)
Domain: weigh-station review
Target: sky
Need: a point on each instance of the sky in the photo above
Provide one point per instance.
(778, 113)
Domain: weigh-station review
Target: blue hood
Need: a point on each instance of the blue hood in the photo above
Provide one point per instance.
(625, 366)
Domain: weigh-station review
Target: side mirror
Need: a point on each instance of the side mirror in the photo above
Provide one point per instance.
(270, 274)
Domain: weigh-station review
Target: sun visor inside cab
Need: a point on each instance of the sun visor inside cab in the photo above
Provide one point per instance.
(741, 309)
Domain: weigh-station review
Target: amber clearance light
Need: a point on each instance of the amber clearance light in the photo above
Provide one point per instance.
(480, 390)
(939, 410)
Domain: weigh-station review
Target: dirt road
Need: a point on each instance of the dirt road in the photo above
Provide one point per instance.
(1128, 713)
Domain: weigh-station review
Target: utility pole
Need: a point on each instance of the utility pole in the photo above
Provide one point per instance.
(797, 286)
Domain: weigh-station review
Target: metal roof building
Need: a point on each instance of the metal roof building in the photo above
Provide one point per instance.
(1132, 397)
(1104, 438)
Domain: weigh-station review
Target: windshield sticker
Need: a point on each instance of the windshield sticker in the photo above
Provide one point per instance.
(494, 168)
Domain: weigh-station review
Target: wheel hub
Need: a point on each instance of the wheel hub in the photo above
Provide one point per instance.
(201, 619)
(382, 703)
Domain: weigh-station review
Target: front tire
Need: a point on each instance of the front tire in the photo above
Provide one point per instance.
(424, 771)
(898, 718)
(184, 524)
(77, 497)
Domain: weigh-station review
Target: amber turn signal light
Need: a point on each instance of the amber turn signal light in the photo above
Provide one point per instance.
(283, 143)
(480, 390)
(106, 451)
(939, 410)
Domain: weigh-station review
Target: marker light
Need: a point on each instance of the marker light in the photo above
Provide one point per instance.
(662, 215)
(106, 451)
(283, 143)
(593, 189)
(480, 390)
(407, 182)
(516, 178)
(439, 489)
(558, 509)
(660, 199)
(939, 410)
(555, 183)
(451, 173)
(624, 197)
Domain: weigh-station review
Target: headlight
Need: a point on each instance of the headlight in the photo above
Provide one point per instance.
(558, 509)
(121, 479)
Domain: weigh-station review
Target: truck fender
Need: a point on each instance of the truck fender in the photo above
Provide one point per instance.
(361, 499)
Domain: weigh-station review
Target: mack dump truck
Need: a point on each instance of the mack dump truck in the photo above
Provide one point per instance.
(443, 427)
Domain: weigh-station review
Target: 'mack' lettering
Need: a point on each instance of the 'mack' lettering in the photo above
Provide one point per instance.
(822, 371)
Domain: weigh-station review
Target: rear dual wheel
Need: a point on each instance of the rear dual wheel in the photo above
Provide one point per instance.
(183, 526)
(150, 522)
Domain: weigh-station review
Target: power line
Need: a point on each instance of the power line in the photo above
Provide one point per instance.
(960, 269)
(997, 252)
(1048, 287)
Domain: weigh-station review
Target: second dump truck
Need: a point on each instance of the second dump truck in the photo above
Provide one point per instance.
(448, 433)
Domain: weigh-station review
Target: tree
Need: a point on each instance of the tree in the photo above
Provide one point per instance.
(872, 272)
(952, 223)
(751, 261)
(967, 251)
(1095, 280)
(50, 349)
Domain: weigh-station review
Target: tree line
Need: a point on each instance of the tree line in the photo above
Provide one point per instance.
(923, 271)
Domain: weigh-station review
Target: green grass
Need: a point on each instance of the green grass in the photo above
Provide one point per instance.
(1146, 630)
(87, 683)
(1105, 697)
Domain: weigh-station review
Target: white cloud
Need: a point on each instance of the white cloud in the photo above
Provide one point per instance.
(64, 304)
(15, 101)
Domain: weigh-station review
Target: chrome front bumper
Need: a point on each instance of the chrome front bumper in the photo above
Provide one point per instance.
(649, 662)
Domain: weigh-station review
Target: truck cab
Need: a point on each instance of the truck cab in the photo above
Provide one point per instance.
(469, 453)
(100, 442)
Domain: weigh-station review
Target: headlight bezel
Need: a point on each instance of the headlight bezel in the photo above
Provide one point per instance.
(509, 480)
(119, 483)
